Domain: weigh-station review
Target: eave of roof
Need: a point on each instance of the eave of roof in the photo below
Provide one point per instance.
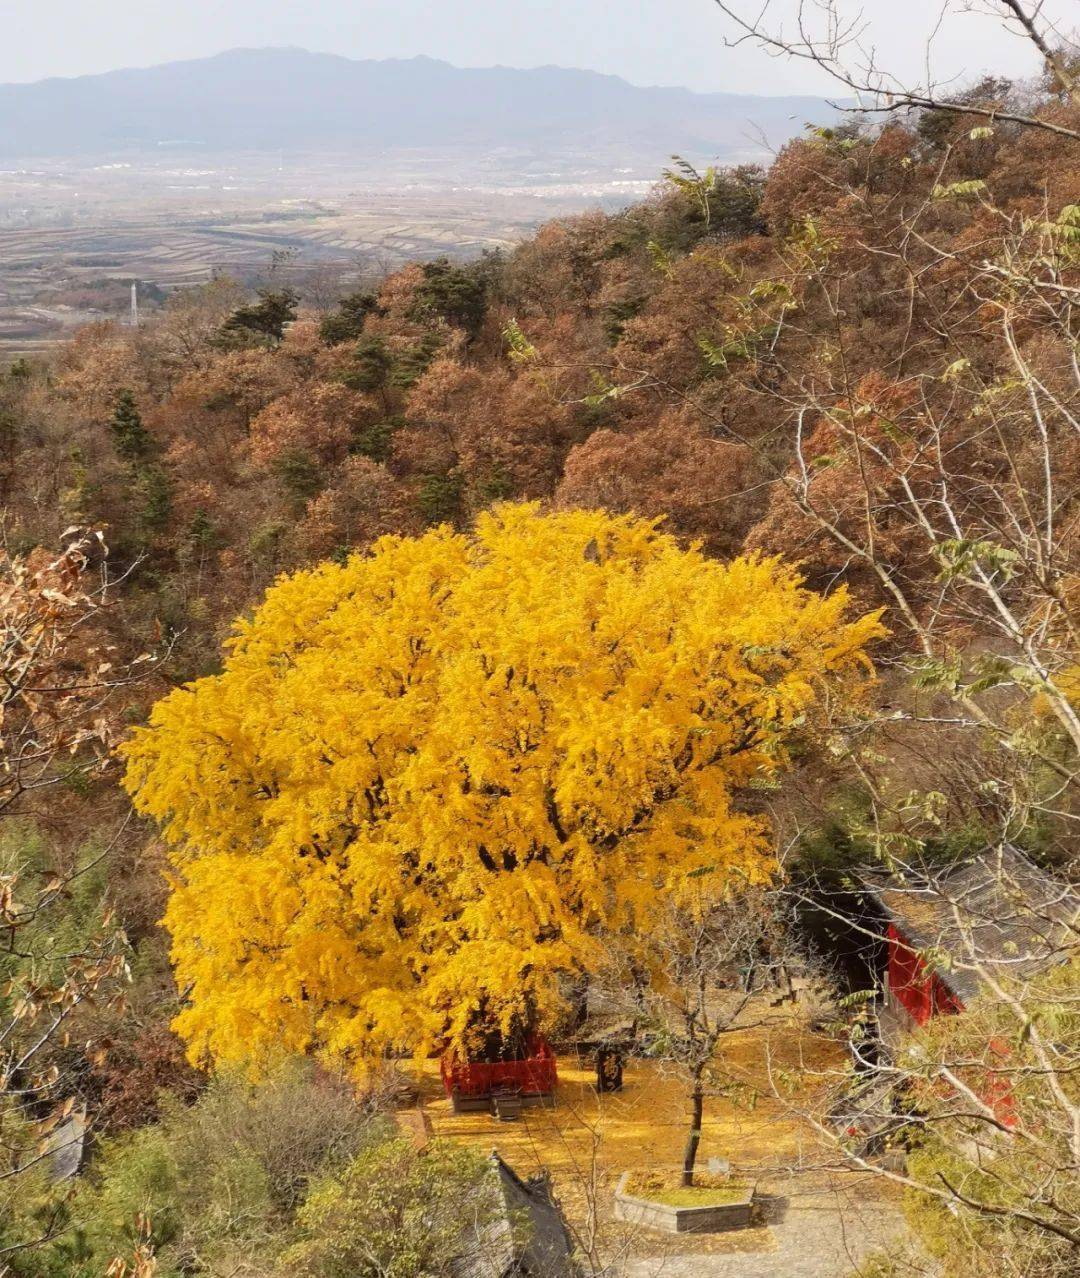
(995, 911)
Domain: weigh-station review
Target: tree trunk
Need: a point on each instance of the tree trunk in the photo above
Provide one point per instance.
(693, 1139)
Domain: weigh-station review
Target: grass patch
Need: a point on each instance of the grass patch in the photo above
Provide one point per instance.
(709, 1192)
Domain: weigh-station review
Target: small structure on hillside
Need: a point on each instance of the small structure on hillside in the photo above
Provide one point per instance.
(605, 1041)
(995, 916)
(527, 1235)
(951, 935)
(475, 1085)
(414, 1125)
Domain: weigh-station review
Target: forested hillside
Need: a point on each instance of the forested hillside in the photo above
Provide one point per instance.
(758, 358)
(862, 359)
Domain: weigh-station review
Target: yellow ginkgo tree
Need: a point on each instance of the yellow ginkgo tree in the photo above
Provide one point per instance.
(428, 779)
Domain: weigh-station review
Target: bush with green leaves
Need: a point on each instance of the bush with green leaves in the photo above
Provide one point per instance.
(397, 1212)
(44, 1011)
(413, 362)
(34, 1212)
(290, 1176)
(133, 441)
(374, 441)
(457, 295)
(439, 497)
(371, 366)
(299, 474)
(216, 1183)
(151, 494)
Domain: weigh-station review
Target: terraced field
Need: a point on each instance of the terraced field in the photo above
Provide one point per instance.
(66, 233)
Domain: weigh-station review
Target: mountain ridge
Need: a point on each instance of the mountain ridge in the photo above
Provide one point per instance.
(424, 59)
(286, 97)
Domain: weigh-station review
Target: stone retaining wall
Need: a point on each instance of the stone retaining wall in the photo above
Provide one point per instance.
(682, 1220)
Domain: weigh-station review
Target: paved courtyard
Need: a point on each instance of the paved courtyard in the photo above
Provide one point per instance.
(815, 1235)
(819, 1223)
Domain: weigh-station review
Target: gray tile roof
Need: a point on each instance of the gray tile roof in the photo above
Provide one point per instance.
(996, 915)
(526, 1235)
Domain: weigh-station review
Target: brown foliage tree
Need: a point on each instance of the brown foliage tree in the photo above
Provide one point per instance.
(674, 469)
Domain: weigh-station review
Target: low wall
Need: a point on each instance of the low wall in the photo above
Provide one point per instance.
(682, 1220)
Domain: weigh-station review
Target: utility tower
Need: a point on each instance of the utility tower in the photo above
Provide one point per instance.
(134, 305)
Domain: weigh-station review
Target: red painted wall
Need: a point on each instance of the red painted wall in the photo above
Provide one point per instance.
(923, 995)
(918, 990)
(535, 1074)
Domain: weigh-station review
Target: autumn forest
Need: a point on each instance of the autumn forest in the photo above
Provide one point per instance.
(563, 634)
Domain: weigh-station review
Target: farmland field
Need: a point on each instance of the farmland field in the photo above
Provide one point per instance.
(74, 238)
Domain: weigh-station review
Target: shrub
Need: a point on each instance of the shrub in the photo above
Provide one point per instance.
(130, 436)
(300, 475)
(396, 1212)
(262, 322)
(220, 1178)
(439, 498)
(371, 365)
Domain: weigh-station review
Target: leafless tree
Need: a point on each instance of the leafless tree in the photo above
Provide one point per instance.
(837, 40)
(59, 683)
(697, 977)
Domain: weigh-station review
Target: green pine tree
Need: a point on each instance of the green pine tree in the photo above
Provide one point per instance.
(132, 439)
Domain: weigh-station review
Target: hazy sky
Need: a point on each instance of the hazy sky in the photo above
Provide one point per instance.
(647, 41)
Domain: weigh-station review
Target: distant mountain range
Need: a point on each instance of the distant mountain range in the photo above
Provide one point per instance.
(293, 100)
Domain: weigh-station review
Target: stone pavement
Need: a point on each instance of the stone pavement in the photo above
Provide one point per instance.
(824, 1236)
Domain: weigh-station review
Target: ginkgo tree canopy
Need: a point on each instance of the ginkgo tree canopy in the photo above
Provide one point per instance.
(428, 779)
